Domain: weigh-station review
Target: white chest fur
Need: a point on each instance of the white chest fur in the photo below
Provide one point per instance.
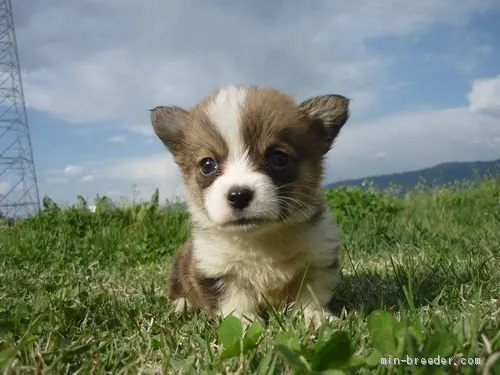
(268, 262)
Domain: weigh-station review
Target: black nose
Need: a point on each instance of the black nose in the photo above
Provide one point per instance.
(239, 197)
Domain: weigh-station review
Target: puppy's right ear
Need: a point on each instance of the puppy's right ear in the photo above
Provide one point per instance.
(167, 124)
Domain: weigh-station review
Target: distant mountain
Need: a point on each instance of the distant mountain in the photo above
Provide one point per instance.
(439, 175)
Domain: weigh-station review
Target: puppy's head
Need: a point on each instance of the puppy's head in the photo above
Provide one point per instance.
(251, 157)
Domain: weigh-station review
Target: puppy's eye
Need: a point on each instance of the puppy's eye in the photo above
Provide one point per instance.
(208, 166)
(277, 160)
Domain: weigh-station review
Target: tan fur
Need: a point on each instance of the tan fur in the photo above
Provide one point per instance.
(272, 118)
(294, 259)
(187, 284)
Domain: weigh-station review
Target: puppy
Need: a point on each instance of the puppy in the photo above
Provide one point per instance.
(252, 162)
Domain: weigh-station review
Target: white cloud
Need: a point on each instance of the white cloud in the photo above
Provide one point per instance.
(68, 174)
(73, 171)
(485, 94)
(119, 139)
(119, 72)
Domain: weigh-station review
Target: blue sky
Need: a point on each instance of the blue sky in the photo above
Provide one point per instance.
(424, 79)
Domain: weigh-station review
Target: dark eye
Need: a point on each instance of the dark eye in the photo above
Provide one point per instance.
(277, 160)
(208, 166)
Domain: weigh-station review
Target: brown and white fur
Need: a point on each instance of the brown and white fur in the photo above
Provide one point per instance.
(252, 162)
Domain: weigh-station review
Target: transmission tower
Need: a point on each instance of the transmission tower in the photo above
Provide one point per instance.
(19, 195)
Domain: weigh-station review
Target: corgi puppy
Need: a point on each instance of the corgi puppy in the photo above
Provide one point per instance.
(251, 159)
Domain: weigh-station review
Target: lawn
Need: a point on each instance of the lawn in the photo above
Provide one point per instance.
(85, 292)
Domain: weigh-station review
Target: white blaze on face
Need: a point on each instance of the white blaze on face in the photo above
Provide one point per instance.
(225, 113)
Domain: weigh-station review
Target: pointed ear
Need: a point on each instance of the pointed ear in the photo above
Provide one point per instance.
(330, 111)
(167, 124)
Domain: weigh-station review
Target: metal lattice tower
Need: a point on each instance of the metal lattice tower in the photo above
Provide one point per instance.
(19, 195)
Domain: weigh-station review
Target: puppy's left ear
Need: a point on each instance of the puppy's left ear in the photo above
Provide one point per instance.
(330, 111)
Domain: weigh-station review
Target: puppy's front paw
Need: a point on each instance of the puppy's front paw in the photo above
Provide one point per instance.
(181, 305)
(316, 317)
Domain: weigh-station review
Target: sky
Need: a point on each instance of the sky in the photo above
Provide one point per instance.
(423, 78)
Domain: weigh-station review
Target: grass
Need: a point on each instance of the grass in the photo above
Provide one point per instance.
(85, 293)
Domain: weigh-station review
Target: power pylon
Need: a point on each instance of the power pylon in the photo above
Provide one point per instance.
(19, 195)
